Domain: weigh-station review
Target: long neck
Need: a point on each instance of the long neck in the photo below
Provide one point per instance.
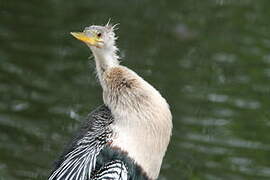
(105, 59)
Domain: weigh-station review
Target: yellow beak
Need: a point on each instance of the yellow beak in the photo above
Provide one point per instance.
(82, 37)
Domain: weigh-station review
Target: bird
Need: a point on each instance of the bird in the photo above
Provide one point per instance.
(126, 138)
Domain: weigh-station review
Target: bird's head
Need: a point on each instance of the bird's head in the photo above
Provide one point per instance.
(98, 38)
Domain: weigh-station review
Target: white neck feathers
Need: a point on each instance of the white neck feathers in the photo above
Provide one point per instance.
(105, 59)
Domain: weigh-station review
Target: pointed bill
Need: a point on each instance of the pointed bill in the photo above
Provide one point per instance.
(84, 38)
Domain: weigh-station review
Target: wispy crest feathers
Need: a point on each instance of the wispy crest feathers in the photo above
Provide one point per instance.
(110, 26)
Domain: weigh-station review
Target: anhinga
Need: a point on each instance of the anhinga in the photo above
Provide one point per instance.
(127, 137)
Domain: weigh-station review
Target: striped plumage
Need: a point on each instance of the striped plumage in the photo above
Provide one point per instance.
(126, 138)
(79, 160)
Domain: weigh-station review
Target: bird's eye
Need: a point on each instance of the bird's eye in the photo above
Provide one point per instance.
(99, 35)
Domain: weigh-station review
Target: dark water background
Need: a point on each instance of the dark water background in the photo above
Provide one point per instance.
(210, 59)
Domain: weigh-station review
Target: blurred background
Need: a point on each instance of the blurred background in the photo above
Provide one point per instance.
(210, 59)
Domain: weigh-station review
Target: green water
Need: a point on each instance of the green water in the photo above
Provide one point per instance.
(210, 59)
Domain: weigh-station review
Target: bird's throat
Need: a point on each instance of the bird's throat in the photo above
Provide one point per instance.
(105, 59)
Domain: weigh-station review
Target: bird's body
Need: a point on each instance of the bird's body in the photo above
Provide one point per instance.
(127, 137)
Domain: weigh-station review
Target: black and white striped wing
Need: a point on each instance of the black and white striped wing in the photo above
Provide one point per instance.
(114, 170)
(78, 162)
